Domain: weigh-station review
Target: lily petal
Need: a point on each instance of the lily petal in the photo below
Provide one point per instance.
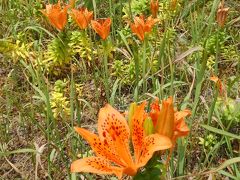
(138, 129)
(165, 122)
(101, 148)
(181, 129)
(182, 114)
(113, 128)
(153, 143)
(97, 165)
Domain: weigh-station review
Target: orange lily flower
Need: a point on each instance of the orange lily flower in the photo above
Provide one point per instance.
(222, 14)
(102, 27)
(82, 17)
(111, 146)
(141, 26)
(218, 83)
(180, 127)
(168, 122)
(56, 15)
(154, 8)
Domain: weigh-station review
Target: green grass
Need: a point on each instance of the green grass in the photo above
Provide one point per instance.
(174, 60)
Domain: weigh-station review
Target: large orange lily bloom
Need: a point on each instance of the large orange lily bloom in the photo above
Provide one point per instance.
(102, 27)
(111, 146)
(56, 15)
(141, 26)
(168, 122)
(82, 17)
(154, 6)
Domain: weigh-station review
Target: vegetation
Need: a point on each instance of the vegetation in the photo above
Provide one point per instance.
(170, 69)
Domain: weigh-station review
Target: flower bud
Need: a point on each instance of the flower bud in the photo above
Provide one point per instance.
(154, 8)
(132, 109)
(222, 14)
(148, 126)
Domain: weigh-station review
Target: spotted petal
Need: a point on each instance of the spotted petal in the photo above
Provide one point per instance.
(138, 130)
(113, 128)
(101, 148)
(96, 165)
(153, 143)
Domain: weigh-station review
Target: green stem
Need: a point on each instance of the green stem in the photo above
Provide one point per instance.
(95, 72)
(106, 71)
(144, 66)
(217, 54)
(130, 9)
(136, 62)
(200, 78)
(112, 15)
(210, 114)
(172, 74)
(161, 61)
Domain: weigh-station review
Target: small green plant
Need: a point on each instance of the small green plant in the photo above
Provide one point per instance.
(124, 70)
(229, 110)
(15, 50)
(154, 169)
(230, 53)
(57, 56)
(208, 142)
(213, 40)
(59, 102)
(211, 62)
(137, 7)
(80, 45)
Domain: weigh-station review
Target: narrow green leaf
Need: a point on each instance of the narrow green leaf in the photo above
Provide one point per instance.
(125, 42)
(17, 151)
(115, 87)
(219, 131)
(227, 163)
(227, 174)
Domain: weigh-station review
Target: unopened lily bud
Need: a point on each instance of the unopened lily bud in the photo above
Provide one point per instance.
(132, 109)
(154, 8)
(222, 14)
(219, 84)
(148, 126)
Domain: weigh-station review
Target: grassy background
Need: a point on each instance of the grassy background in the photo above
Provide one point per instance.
(53, 81)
